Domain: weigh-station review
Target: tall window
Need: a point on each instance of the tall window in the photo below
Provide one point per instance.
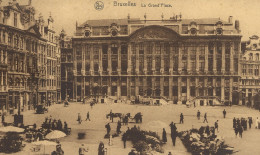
(256, 70)
(15, 19)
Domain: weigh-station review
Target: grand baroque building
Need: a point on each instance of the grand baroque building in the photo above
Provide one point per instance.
(182, 60)
(25, 47)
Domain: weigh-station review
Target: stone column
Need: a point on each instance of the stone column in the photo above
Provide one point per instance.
(153, 57)
(2, 78)
(180, 58)
(230, 88)
(128, 87)
(239, 64)
(171, 59)
(197, 58)
(119, 88)
(179, 90)
(137, 58)
(109, 86)
(188, 61)
(119, 60)
(129, 55)
(206, 88)
(109, 60)
(2, 54)
(162, 57)
(91, 59)
(161, 86)
(223, 58)
(197, 89)
(232, 58)
(188, 88)
(136, 86)
(153, 86)
(214, 58)
(83, 59)
(145, 85)
(170, 87)
(222, 88)
(100, 69)
(145, 57)
(206, 59)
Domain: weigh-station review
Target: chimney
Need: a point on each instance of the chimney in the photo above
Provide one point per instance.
(230, 19)
(237, 27)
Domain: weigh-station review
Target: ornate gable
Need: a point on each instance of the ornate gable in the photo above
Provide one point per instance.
(154, 33)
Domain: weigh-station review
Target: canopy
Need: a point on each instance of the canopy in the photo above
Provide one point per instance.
(44, 143)
(55, 134)
(11, 129)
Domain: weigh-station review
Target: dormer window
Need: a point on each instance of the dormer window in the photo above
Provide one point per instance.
(114, 29)
(193, 31)
(219, 31)
(114, 32)
(87, 33)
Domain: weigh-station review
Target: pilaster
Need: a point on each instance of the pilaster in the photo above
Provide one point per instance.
(206, 58)
(180, 58)
(223, 58)
(214, 58)
(170, 87)
(179, 90)
(232, 58)
(222, 88)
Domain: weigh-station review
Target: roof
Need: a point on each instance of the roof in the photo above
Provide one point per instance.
(107, 22)
(204, 21)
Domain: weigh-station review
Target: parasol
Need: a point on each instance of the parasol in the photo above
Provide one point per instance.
(11, 129)
(55, 134)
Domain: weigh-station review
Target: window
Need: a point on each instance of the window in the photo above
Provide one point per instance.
(157, 49)
(256, 70)
(251, 56)
(201, 66)
(124, 49)
(244, 70)
(219, 48)
(133, 48)
(202, 50)
(257, 57)
(141, 48)
(114, 48)
(15, 19)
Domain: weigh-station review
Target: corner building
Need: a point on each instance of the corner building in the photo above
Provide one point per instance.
(179, 60)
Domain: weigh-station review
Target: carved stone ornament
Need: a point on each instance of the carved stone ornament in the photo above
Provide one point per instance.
(152, 33)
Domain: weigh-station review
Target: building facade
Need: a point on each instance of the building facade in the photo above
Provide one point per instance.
(23, 48)
(66, 66)
(182, 60)
(250, 63)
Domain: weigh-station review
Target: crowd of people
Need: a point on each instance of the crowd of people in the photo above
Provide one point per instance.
(240, 125)
(53, 124)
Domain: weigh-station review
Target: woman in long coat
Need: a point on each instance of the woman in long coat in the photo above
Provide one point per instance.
(164, 137)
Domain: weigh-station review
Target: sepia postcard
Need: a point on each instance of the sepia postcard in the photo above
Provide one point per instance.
(129, 77)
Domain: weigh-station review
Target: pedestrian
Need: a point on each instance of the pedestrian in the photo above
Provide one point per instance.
(194, 104)
(207, 130)
(216, 125)
(240, 130)
(59, 150)
(118, 128)
(181, 119)
(101, 149)
(224, 113)
(236, 130)
(164, 137)
(124, 138)
(88, 116)
(82, 150)
(234, 123)
(170, 153)
(250, 121)
(256, 123)
(3, 118)
(173, 132)
(79, 118)
(108, 128)
(205, 118)
(198, 115)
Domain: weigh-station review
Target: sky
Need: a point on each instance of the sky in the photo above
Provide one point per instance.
(67, 12)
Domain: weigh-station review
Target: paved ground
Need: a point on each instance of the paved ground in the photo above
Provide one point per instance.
(152, 115)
